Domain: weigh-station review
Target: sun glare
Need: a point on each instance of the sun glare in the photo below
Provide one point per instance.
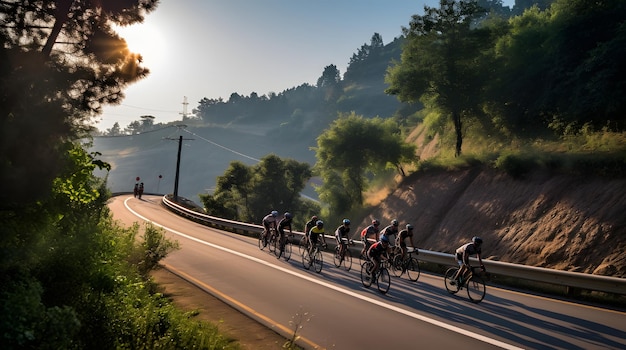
(146, 40)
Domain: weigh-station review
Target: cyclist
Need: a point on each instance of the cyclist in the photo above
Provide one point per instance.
(390, 230)
(309, 224)
(369, 231)
(307, 227)
(284, 223)
(340, 233)
(269, 222)
(376, 251)
(314, 233)
(463, 254)
(401, 240)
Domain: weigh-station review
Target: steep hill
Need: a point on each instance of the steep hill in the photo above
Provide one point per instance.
(554, 220)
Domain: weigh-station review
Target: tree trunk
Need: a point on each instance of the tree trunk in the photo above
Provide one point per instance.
(61, 16)
(456, 116)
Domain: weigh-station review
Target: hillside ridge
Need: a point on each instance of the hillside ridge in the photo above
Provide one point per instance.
(559, 221)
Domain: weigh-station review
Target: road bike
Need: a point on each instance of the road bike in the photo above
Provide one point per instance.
(303, 245)
(285, 252)
(382, 277)
(315, 257)
(409, 264)
(471, 281)
(344, 259)
(268, 239)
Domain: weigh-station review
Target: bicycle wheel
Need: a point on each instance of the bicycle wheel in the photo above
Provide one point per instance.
(306, 260)
(366, 278)
(476, 289)
(288, 250)
(272, 243)
(383, 280)
(318, 261)
(397, 266)
(262, 243)
(303, 245)
(413, 269)
(449, 277)
(336, 257)
(347, 260)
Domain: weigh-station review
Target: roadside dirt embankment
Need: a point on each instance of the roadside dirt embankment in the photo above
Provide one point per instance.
(563, 222)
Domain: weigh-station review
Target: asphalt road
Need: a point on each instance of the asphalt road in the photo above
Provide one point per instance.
(333, 309)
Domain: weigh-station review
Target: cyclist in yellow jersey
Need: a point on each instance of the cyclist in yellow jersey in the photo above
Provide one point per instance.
(314, 233)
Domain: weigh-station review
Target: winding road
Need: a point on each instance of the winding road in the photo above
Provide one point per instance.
(333, 309)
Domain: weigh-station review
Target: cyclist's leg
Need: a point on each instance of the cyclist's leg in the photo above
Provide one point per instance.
(281, 239)
(461, 271)
(366, 246)
(312, 243)
(376, 266)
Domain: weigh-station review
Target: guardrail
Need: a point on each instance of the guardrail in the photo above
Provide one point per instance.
(539, 274)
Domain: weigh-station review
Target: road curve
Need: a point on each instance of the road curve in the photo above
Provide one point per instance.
(333, 309)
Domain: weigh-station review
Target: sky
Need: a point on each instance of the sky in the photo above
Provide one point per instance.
(213, 48)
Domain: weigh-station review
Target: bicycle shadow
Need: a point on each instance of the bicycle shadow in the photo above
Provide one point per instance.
(517, 322)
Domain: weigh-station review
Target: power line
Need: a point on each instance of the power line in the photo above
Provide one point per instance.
(220, 146)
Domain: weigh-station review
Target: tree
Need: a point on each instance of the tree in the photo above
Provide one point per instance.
(575, 48)
(248, 193)
(353, 149)
(115, 130)
(441, 61)
(330, 77)
(61, 62)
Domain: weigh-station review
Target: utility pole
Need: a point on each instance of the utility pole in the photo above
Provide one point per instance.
(180, 144)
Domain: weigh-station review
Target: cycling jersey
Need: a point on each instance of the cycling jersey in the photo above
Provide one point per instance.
(402, 235)
(342, 231)
(283, 224)
(389, 230)
(376, 250)
(368, 231)
(314, 233)
(269, 219)
(465, 251)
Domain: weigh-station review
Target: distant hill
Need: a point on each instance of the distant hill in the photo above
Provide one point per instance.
(247, 128)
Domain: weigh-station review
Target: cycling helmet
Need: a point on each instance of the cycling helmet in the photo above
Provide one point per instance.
(319, 223)
(477, 240)
(384, 239)
(409, 226)
(274, 213)
(314, 218)
(375, 222)
(394, 222)
(346, 222)
(288, 215)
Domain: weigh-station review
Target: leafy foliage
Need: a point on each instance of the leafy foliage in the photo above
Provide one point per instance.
(61, 62)
(248, 193)
(353, 149)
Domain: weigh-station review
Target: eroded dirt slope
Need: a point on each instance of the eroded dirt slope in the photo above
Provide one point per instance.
(556, 221)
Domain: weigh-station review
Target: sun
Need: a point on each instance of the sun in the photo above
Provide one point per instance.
(147, 40)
